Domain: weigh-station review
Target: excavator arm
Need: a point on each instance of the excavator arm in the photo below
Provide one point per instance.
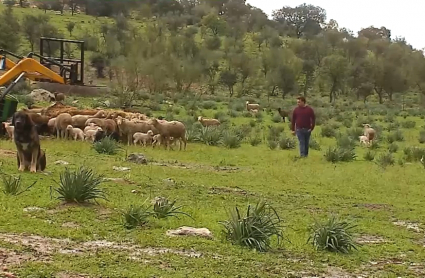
(31, 68)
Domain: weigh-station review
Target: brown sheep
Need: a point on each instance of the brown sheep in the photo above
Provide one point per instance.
(61, 123)
(108, 125)
(252, 106)
(370, 133)
(127, 128)
(208, 122)
(80, 120)
(51, 125)
(283, 114)
(170, 129)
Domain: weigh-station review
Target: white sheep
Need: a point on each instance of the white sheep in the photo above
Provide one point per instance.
(174, 129)
(208, 122)
(252, 106)
(363, 140)
(143, 138)
(254, 111)
(75, 132)
(91, 134)
(91, 126)
(10, 129)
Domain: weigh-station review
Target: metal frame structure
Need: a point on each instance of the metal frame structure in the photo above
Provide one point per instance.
(74, 72)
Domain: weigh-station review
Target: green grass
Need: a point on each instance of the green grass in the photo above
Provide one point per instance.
(301, 191)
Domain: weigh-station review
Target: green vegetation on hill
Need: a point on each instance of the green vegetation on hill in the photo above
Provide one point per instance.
(209, 45)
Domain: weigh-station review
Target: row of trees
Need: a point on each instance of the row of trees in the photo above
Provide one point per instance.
(226, 42)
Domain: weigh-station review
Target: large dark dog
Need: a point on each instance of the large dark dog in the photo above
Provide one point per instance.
(27, 142)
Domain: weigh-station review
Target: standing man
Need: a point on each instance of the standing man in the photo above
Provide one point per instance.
(302, 124)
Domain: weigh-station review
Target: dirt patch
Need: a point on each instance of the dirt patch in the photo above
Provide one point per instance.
(10, 257)
(70, 225)
(373, 206)
(409, 225)
(7, 153)
(180, 165)
(371, 239)
(228, 190)
(48, 246)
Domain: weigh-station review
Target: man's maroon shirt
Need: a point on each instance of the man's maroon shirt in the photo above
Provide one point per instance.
(303, 117)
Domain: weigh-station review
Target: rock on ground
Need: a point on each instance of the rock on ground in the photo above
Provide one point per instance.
(189, 231)
(138, 158)
(40, 95)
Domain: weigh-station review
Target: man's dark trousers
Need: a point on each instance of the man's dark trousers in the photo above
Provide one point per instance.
(303, 135)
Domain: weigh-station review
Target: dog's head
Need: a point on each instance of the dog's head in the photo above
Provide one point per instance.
(22, 121)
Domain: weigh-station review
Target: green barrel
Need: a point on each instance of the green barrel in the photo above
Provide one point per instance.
(8, 107)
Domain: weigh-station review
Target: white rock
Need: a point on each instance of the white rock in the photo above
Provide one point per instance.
(189, 231)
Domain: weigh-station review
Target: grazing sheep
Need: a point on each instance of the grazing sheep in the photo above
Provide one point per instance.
(10, 129)
(252, 106)
(156, 140)
(369, 132)
(90, 134)
(283, 114)
(363, 140)
(143, 138)
(108, 125)
(80, 120)
(61, 123)
(51, 125)
(254, 111)
(90, 126)
(128, 128)
(170, 129)
(75, 132)
(208, 122)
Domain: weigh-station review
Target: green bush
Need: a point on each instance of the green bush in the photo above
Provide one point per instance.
(163, 208)
(369, 156)
(135, 216)
(106, 146)
(255, 228)
(338, 154)
(385, 159)
(328, 131)
(334, 235)
(231, 140)
(314, 144)
(287, 143)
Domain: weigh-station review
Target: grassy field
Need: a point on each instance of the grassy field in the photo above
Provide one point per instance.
(40, 236)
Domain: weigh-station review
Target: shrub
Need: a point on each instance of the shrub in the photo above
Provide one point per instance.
(272, 144)
(106, 146)
(275, 132)
(12, 185)
(385, 159)
(348, 123)
(276, 118)
(338, 154)
(135, 216)
(421, 137)
(314, 144)
(255, 141)
(398, 136)
(231, 140)
(393, 126)
(414, 153)
(246, 114)
(334, 235)
(163, 208)
(408, 124)
(210, 135)
(328, 131)
(344, 141)
(393, 148)
(369, 156)
(233, 113)
(255, 228)
(355, 132)
(209, 104)
(287, 143)
(80, 186)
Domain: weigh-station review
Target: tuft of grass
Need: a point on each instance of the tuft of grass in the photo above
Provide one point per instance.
(421, 138)
(255, 228)
(408, 124)
(369, 156)
(211, 135)
(231, 140)
(345, 141)
(13, 185)
(255, 141)
(385, 159)
(338, 154)
(135, 216)
(393, 148)
(272, 144)
(276, 118)
(314, 144)
(163, 208)
(106, 146)
(334, 235)
(80, 186)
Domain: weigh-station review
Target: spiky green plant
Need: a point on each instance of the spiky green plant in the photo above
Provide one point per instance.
(106, 146)
(136, 216)
(13, 185)
(333, 235)
(254, 229)
(163, 208)
(80, 186)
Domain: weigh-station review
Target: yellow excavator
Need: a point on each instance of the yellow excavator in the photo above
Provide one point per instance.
(59, 69)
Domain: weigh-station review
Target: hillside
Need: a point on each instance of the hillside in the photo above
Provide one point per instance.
(225, 46)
